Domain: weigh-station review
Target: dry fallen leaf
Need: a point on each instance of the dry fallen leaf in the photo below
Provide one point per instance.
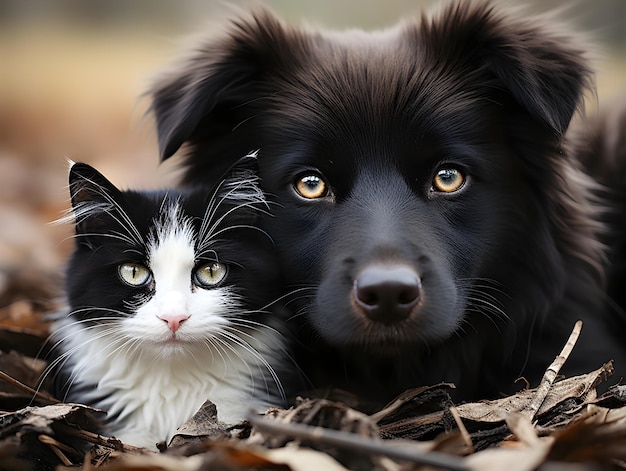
(26, 341)
(302, 459)
(153, 463)
(47, 435)
(599, 437)
(23, 369)
(577, 388)
(202, 426)
(518, 459)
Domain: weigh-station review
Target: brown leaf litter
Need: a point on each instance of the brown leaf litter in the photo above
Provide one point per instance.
(561, 424)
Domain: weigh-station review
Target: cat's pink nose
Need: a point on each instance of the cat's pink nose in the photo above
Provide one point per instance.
(174, 320)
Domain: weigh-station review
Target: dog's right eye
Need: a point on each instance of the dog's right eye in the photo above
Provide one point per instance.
(448, 180)
(311, 186)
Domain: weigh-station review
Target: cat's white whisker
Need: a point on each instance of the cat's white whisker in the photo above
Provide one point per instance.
(110, 236)
(226, 341)
(212, 232)
(235, 336)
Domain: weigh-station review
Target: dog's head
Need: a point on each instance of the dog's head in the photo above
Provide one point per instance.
(418, 170)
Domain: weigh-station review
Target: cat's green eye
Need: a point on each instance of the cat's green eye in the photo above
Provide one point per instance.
(210, 274)
(134, 274)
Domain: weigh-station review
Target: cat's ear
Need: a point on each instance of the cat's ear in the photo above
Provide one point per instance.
(241, 183)
(93, 196)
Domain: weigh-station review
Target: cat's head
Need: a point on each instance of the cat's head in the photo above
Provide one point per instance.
(172, 268)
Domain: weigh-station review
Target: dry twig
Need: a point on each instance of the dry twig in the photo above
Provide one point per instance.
(465, 435)
(58, 448)
(552, 372)
(43, 397)
(397, 449)
(102, 440)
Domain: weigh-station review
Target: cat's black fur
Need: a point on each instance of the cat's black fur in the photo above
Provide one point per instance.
(125, 348)
(497, 271)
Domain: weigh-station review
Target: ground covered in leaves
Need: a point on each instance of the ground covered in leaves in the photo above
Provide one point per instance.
(562, 424)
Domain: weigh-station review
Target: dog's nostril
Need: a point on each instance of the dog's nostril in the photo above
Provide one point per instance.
(409, 295)
(367, 296)
(387, 294)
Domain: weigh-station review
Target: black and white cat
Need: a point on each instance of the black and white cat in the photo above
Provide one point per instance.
(168, 294)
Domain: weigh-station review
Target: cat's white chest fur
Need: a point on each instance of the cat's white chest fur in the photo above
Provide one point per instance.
(150, 397)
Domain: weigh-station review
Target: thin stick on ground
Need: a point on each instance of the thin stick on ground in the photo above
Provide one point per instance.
(467, 439)
(398, 449)
(97, 439)
(552, 372)
(58, 449)
(43, 397)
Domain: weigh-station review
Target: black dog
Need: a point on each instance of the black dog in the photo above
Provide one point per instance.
(429, 208)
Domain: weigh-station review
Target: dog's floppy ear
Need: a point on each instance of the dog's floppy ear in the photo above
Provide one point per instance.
(204, 97)
(544, 71)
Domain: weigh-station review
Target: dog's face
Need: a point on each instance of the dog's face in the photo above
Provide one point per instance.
(415, 169)
(389, 208)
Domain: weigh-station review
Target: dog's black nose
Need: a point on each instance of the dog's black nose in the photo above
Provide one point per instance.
(386, 293)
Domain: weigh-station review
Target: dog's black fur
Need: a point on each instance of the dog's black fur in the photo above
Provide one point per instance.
(602, 150)
(404, 284)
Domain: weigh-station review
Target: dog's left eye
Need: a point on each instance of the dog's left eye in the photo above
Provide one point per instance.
(448, 180)
(311, 186)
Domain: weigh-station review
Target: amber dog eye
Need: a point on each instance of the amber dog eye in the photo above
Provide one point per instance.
(448, 180)
(311, 186)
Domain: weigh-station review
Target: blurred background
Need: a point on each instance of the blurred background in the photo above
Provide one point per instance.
(72, 74)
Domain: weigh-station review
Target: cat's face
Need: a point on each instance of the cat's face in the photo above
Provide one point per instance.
(169, 271)
(179, 296)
